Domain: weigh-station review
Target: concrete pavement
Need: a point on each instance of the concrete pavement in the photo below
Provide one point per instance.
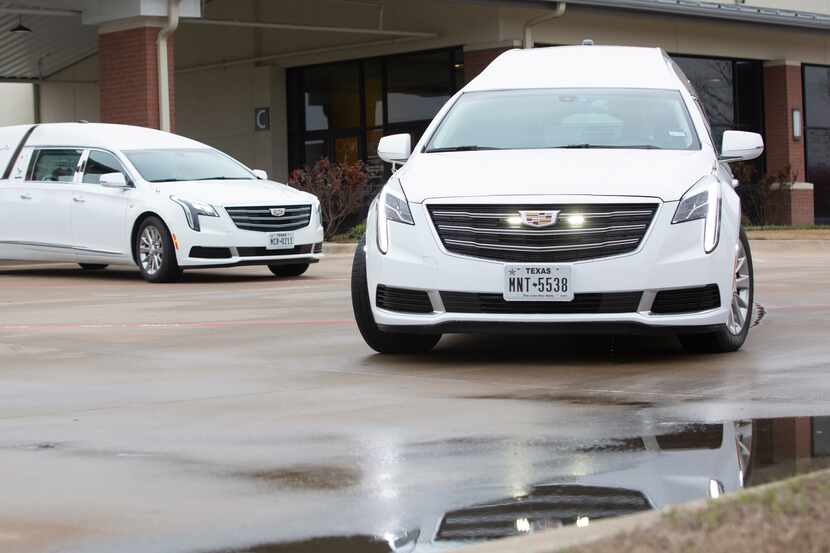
(235, 409)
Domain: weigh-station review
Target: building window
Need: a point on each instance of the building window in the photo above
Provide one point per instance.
(729, 90)
(817, 137)
(341, 110)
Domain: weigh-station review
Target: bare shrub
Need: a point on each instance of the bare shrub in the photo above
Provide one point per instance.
(341, 188)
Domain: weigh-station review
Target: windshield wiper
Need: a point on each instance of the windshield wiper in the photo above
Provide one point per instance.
(469, 148)
(608, 147)
(167, 180)
(221, 178)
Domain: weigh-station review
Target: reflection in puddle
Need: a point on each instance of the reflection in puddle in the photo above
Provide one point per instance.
(403, 542)
(594, 480)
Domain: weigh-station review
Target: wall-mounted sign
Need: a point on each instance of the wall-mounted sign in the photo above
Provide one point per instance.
(262, 119)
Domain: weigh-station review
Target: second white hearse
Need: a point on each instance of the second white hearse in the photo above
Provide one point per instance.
(99, 194)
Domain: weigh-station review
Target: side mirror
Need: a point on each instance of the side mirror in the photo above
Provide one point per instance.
(113, 180)
(260, 174)
(741, 146)
(395, 148)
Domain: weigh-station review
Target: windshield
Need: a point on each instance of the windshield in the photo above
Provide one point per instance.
(186, 165)
(567, 118)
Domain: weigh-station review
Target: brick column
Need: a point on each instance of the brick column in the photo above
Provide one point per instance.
(476, 60)
(783, 93)
(129, 77)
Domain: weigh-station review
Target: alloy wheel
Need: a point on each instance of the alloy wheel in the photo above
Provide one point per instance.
(741, 292)
(151, 250)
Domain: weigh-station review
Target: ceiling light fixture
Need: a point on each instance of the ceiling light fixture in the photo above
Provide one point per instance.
(20, 28)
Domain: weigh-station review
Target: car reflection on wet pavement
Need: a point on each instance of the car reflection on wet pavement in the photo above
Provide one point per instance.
(612, 478)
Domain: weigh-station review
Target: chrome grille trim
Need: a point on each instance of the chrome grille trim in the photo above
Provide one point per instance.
(259, 219)
(543, 248)
(561, 214)
(483, 231)
(530, 232)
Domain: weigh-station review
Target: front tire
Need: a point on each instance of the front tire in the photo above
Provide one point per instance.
(155, 253)
(732, 335)
(288, 270)
(378, 340)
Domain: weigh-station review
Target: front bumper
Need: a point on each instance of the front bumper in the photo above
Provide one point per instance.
(670, 257)
(220, 243)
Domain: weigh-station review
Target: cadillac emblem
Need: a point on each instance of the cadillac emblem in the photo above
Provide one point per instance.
(277, 211)
(539, 219)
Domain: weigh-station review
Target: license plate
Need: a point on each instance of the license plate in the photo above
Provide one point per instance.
(280, 241)
(538, 282)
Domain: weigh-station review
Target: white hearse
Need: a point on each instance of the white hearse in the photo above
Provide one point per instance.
(569, 189)
(100, 194)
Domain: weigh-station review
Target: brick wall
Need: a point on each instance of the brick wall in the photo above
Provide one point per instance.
(129, 77)
(783, 93)
(802, 210)
(476, 60)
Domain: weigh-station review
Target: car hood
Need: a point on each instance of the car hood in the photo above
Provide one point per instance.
(235, 192)
(660, 174)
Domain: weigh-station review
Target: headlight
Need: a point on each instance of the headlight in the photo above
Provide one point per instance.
(392, 207)
(318, 211)
(702, 201)
(193, 210)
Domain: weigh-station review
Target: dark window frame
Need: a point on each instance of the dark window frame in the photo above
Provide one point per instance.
(805, 133)
(298, 135)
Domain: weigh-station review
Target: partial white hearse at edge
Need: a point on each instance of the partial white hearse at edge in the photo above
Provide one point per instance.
(100, 194)
(567, 189)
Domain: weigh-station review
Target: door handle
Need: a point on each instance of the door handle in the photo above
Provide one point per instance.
(78, 200)
(25, 197)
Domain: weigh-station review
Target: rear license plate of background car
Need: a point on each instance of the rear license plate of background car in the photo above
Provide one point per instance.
(280, 241)
(538, 282)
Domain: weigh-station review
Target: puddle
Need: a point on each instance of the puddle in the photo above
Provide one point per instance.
(307, 477)
(584, 481)
(573, 399)
(402, 542)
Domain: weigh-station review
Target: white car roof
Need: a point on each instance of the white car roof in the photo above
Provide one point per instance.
(578, 67)
(108, 136)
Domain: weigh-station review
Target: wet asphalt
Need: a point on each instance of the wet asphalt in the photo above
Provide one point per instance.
(237, 412)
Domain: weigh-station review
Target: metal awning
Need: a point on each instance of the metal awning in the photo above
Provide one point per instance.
(712, 10)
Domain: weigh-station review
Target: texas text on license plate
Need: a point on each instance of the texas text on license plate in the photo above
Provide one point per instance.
(280, 241)
(538, 282)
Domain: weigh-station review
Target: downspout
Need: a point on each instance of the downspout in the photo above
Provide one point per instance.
(558, 11)
(164, 75)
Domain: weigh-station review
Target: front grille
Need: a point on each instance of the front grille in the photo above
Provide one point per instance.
(544, 507)
(466, 302)
(686, 300)
(265, 252)
(260, 219)
(483, 230)
(402, 300)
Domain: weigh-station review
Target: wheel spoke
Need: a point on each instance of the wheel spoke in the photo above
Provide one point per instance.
(740, 264)
(742, 282)
(740, 302)
(737, 314)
